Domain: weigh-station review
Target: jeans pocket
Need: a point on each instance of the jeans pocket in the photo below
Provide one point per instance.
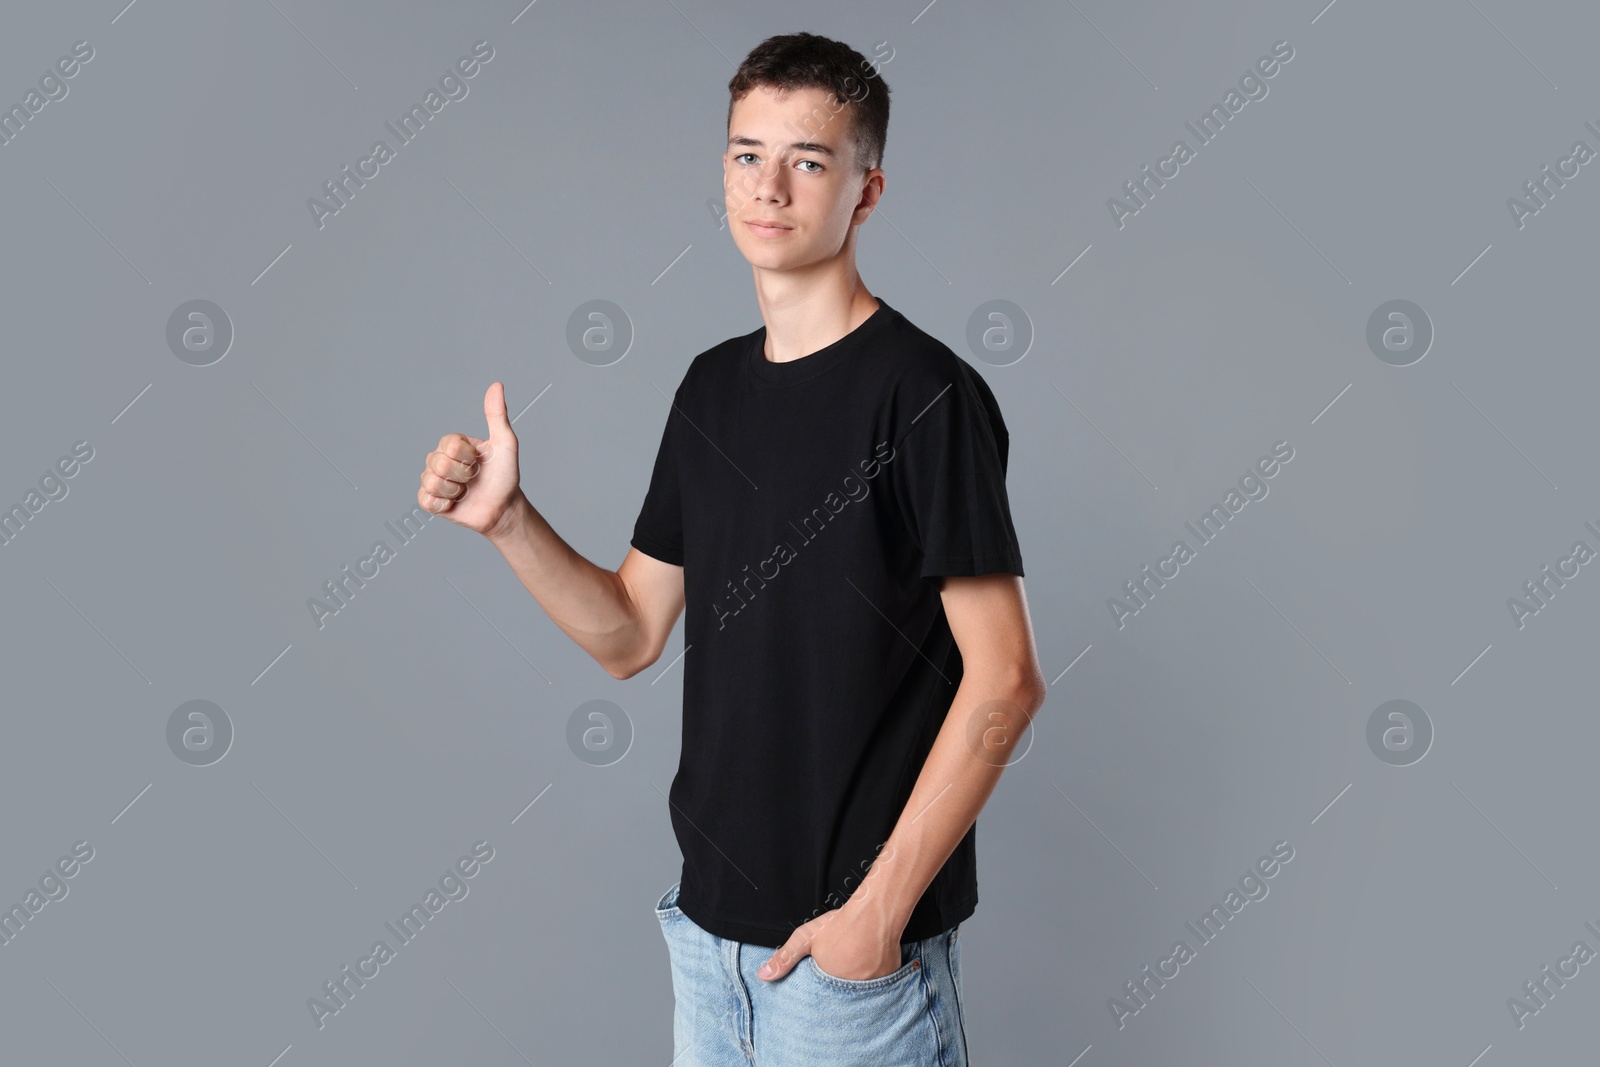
(864, 985)
(667, 907)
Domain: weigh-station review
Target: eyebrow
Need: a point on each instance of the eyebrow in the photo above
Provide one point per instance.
(740, 141)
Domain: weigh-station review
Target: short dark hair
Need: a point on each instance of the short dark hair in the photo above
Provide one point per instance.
(808, 61)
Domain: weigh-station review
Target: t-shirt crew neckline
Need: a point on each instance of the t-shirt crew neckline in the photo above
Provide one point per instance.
(809, 366)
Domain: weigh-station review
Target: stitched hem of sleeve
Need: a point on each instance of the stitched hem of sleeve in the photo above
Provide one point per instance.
(658, 550)
(968, 566)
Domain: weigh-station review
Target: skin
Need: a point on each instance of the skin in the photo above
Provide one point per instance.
(790, 159)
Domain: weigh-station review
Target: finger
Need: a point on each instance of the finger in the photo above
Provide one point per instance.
(453, 469)
(782, 961)
(432, 504)
(441, 487)
(494, 413)
(460, 447)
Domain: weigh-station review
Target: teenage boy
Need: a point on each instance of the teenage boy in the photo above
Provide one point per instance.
(828, 501)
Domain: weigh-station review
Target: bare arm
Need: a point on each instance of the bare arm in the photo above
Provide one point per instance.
(622, 618)
(1001, 688)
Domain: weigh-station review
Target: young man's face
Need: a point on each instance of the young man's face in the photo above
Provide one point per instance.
(793, 162)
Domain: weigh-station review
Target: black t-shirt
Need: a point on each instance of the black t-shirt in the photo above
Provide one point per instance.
(813, 505)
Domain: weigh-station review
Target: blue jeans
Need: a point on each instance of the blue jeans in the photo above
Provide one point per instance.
(725, 1016)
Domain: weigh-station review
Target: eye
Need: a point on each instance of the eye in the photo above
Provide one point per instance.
(814, 163)
(744, 155)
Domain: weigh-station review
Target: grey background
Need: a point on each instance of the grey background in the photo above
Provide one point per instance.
(1226, 316)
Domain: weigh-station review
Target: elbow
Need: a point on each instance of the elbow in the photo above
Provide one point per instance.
(624, 668)
(622, 671)
(1029, 689)
(1018, 685)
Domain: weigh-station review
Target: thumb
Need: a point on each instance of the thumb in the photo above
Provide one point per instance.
(494, 413)
(783, 960)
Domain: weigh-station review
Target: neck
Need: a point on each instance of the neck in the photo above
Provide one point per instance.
(804, 315)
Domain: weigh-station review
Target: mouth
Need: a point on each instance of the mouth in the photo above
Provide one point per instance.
(767, 229)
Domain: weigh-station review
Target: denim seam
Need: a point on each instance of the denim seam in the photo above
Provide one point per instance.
(955, 991)
(866, 985)
(930, 997)
(735, 976)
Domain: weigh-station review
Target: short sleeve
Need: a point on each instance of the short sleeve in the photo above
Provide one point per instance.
(950, 480)
(658, 531)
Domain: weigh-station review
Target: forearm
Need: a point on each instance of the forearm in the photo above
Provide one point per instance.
(986, 720)
(590, 604)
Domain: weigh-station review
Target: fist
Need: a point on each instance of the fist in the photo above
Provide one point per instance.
(472, 481)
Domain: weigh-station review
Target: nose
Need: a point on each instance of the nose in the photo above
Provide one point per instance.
(764, 184)
(769, 185)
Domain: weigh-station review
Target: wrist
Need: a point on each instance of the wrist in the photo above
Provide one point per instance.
(877, 906)
(512, 521)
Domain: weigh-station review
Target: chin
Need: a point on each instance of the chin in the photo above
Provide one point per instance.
(767, 258)
(777, 263)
